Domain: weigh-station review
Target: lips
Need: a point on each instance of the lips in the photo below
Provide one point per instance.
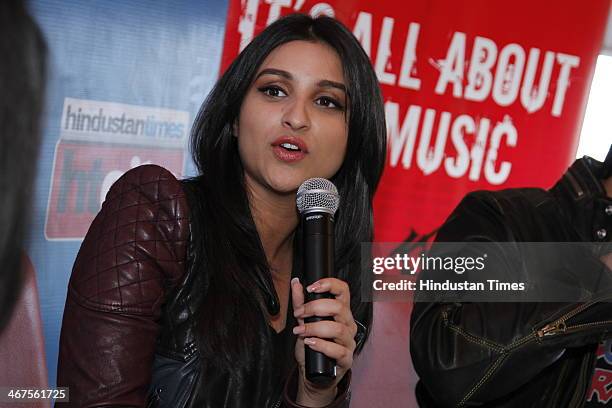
(289, 149)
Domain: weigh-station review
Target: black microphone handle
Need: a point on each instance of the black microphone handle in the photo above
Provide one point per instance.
(318, 257)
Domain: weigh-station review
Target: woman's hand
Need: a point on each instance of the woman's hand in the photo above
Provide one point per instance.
(334, 338)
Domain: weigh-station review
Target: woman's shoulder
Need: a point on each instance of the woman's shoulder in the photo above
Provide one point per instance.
(150, 180)
(136, 246)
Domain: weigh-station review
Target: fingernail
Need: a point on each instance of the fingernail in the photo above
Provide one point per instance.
(314, 287)
(299, 329)
(295, 280)
(298, 312)
(310, 342)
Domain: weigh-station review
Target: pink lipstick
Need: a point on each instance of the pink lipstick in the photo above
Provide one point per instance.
(289, 149)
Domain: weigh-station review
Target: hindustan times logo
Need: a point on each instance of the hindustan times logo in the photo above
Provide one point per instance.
(99, 141)
(77, 120)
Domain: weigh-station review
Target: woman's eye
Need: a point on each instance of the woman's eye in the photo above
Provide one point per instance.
(328, 103)
(273, 91)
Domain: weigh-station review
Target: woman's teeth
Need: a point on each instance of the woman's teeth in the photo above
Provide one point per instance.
(290, 146)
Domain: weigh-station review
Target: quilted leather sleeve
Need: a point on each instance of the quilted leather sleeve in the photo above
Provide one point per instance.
(134, 253)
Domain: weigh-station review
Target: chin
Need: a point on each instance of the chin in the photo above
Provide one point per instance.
(286, 185)
(286, 188)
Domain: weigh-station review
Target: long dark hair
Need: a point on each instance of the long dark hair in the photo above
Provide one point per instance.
(232, 315)
(22, 79)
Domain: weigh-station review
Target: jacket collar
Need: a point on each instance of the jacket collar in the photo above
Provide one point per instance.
(584, 201)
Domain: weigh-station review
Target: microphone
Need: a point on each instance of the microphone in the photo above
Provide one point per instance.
(317, 201)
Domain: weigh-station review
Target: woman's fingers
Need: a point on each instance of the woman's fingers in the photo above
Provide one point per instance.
(297, 297)
(342, 355)
(340, 333)
(336, 287)
(334, 338)
(326, 308)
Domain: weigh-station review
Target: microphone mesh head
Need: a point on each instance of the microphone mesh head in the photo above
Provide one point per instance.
(317, 194)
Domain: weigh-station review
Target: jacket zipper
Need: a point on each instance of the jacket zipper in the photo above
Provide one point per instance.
(552, 329)
(560, 326)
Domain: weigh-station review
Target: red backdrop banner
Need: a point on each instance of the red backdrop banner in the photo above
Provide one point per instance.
(478, 95)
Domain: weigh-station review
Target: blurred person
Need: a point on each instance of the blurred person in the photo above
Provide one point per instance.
(22, 83)
(531, 354)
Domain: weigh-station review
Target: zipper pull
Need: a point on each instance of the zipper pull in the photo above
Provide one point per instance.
(552, 329)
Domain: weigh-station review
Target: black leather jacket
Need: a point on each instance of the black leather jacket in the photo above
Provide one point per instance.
(177, 378)
(509, 354)
(128, 334)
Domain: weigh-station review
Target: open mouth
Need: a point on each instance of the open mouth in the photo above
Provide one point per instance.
(290, 147)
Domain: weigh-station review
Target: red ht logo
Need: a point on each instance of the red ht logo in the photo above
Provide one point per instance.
(82, 174)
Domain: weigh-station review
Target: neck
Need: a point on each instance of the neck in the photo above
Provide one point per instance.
(276, 219)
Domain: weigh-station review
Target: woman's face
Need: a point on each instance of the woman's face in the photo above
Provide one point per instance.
(293, 122)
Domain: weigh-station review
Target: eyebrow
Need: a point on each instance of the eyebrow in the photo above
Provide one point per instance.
(324, 83)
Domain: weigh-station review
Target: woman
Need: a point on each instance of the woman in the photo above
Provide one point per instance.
(210, 267)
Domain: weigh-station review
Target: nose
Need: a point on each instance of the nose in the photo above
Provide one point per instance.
(296, 116)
